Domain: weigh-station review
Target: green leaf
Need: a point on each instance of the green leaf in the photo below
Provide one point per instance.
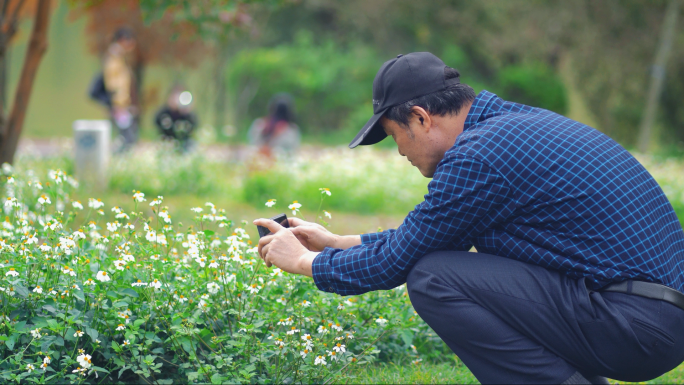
(407, 337)
(138, 322)
(21, 290)
(49, 308)
(47, 341)
(208, 233)
(20, 326)
(129, 292)
(10, 343)
(120, 304)
(53, 324)
(216, 379)
(79, 295)
(92, 333)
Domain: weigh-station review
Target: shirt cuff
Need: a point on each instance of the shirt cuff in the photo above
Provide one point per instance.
(322, 271)
(374, 237)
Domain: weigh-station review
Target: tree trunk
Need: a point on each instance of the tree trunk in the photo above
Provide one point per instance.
(34, 54)
(658, 75)
(220, 82)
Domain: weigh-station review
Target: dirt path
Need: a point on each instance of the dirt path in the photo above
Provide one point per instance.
(60, 146)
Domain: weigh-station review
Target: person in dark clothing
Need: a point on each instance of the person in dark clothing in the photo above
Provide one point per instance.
(175, 120)
(276, 133)
(579, 269)
(120, 78)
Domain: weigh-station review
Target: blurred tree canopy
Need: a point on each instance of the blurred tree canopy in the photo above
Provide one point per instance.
(516, 48)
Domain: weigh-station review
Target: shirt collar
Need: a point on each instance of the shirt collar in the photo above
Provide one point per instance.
(484, 105)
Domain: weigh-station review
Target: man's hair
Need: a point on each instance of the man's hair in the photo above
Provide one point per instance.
(447, 102)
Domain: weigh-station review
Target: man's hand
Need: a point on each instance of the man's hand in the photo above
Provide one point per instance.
(316, 237)
(282, 249)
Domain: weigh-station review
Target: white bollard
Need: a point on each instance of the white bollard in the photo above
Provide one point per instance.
(91, 152)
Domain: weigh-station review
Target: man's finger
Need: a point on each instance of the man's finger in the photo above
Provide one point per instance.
(263, 242)
(265, 256)
(302, 231)
(273, 226)
(294, 222)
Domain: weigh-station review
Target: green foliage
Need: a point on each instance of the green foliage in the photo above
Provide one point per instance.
(535, 85)
(133, 297)
(331, 84)
(451, 372)
(162, 171)
(363, 180)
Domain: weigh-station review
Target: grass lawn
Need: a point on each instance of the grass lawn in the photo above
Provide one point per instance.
(451, 373)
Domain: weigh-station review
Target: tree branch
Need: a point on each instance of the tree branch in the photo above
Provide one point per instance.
(36, 49)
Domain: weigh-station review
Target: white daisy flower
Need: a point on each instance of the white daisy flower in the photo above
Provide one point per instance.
(12, 272)
(102, 276)
(213, 288)
(295, 206)
(84, 360)
(320, 360)
(325, 191)
(138, 196)
(270, 203)
(77, 205)
(35, 333)
(95, 203)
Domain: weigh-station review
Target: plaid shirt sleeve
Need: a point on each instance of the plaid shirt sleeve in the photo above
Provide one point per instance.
(374, 237)
(465, 197)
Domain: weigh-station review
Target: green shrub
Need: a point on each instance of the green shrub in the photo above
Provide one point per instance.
(535, 85)
(363, 181)
(96, 294)
(331, 85)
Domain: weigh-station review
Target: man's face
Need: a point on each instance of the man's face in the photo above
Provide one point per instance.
(418, 143)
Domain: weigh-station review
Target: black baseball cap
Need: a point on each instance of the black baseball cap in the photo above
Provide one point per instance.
(399, 80)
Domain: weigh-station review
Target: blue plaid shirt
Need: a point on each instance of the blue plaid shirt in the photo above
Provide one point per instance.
(531, 185)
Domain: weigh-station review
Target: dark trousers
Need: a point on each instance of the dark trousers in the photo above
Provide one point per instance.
(514, 322)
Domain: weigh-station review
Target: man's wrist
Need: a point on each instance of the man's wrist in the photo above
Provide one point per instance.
(346, 241)
(306, 262)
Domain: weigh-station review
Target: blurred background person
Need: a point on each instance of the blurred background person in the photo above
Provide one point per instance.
(276, 134)
(119, 74)
(175, 120)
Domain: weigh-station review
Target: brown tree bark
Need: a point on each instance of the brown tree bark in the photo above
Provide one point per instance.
(658, 75)
(34, 54)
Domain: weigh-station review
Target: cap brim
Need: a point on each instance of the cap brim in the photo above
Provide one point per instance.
(371, 132)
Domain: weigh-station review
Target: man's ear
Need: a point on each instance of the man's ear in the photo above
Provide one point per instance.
(422, 117)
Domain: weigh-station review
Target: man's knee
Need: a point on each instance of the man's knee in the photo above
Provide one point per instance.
(427, 274)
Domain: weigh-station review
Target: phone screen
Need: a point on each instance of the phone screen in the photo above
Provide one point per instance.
(280, 218)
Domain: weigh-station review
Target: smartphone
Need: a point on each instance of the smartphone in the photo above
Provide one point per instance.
(280, 218)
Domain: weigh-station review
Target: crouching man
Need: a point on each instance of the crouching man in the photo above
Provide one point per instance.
(580, 262)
